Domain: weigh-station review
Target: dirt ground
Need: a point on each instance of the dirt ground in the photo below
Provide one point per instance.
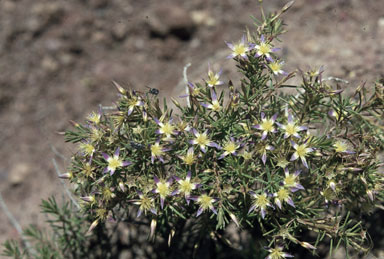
(58, 58)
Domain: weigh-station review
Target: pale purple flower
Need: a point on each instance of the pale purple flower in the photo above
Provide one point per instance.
(263, 152)
(205, 202)
(185, 186)
(277, 253)
(157, 151)
(215, 104)
(213, 78)
(134, 101)
(146, 204)
(163, 188)
(266, 125)
(260, 201)
(291, 181)
(301, 152)
(281, 196)
(291, 129)
(276, 67)
(230, 147)
(166, 128)
(202, 140)
(114, 162)
(240, 49)
(264, 49)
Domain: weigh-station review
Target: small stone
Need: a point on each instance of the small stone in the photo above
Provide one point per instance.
(49, 64)
(9, 6)
(203, 18)
(380, 22)
(66, 59)
(18, 173)
(119, 31)
(125, 254)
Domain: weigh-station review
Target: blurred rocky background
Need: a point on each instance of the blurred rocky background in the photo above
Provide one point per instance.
(58, 58)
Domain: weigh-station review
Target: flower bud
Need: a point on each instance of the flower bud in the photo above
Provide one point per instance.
(307, 245)
(119, 88)
(153, 228)
(67, 175)
(88, 198)
(170, 237)
(370, 194)
(92, 227)
(233, 217)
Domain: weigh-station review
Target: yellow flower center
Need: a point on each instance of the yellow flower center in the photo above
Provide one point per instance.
(282, 162)
(301, 150)
(264, 48)
(216, 106)
(167, 128)
(133, 102)
(107, 194)
(213, 79)
(87, 148)
(340, 146)
(163, 189)
(145, 203)
(262, 201)
(290, 180)
(276, 253)
(137, 130)
(202, 140)
(101, 214)
(114, 162)
(185, 186)
(239, 49)
(205, 201)
(94, 117)
(157, 150)
(195, 91)
(275, 66)
(189, 159)
(95, 135)
(247, 155)
(87, 170)
(230, 147)
(283, 194)
(291, 129)
(267, 125)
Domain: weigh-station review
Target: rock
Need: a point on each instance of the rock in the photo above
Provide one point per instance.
(125, 254)
(173, 20)
(380, 22)
(43, 16)
(9, 6)
(98, 3)
(203, 18)
(66, 59)
(18, 173)
(48, 64)
(119, 31)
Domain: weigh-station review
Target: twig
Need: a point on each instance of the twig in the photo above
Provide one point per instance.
(15, 224)
(65, 187)
(336, 79)
(57, 153)
(186, 83)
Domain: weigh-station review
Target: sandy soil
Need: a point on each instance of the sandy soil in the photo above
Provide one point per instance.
(58, 58)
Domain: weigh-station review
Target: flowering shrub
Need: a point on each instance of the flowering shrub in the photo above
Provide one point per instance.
(249, 153)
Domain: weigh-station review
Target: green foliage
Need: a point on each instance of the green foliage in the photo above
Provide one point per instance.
(67, 239)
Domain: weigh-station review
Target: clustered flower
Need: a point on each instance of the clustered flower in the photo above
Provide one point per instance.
(208, 156)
